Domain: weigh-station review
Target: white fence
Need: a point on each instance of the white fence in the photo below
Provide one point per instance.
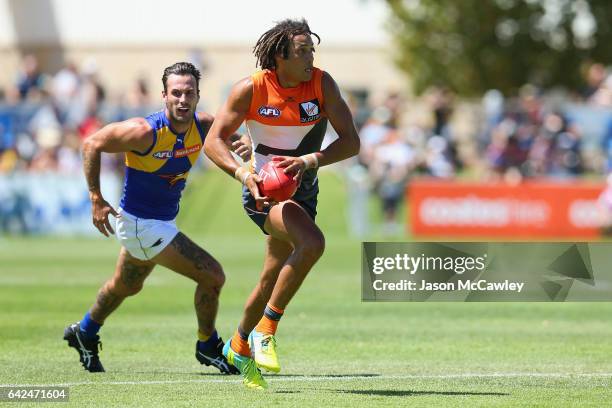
(50, 203)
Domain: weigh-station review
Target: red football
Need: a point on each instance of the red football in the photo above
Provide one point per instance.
(275, 183)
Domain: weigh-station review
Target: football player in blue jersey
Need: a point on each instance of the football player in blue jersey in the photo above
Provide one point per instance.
(159, 152)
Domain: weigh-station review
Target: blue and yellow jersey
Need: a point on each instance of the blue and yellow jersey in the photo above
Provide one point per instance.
(155, 179)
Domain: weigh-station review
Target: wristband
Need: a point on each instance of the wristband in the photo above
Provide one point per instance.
(241, 174)
(311, 161)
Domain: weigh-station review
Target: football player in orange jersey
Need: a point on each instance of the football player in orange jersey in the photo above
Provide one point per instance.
(160, 150)
(286, 107)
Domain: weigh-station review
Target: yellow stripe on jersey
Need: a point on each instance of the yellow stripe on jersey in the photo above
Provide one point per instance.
(163, 150)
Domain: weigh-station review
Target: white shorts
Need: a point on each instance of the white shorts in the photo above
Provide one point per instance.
(143, 238)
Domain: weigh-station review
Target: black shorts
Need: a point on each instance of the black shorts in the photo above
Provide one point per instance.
(306, 198)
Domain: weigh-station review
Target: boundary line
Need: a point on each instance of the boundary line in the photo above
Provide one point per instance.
(280, 379)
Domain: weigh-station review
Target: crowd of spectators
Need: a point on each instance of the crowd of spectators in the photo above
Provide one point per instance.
(531, 135)
(393, 151)
(539, 135)
(44, 117)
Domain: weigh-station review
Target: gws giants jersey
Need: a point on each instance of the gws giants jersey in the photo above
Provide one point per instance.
(155, 179)
(286, 122)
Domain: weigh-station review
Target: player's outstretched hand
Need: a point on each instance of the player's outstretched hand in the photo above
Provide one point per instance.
(251, 183)
(100, 209)
(292, 165)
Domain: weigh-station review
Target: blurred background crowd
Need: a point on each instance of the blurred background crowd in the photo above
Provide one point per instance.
(44, 117)
(557, 135)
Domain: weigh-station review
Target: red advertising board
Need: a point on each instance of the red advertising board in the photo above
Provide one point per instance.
(532, 209)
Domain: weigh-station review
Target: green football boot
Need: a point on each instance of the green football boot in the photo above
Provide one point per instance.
(246, 365)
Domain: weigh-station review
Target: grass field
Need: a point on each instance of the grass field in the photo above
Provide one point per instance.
(335, 350)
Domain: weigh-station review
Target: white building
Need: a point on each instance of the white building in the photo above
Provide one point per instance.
(131, 38)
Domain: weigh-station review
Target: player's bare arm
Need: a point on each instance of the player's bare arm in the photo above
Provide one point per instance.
(339, 115)
(134, 134)
(228, 120)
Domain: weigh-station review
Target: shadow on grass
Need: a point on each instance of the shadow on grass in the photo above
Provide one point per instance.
(408, 393)
(267, 375)
(212, 373)
(270, 375)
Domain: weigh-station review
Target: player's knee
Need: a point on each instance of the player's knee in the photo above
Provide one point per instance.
(219, 277)
(312, 246)
(213, 275)
(133, 289)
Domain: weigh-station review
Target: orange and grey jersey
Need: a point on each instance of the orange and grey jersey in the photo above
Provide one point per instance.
(286, 121)
(155, 179)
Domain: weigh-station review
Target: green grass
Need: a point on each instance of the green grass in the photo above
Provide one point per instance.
(335, 350)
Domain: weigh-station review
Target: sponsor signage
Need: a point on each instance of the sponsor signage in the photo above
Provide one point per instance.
(178, 153)
(310, 111)
(531, 209)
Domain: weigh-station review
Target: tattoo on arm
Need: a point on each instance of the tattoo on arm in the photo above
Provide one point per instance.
(91, 166)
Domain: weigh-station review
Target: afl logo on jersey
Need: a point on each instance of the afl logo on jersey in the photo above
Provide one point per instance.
(166, 154)
(310, 111)
(269, 112)
(177, 154)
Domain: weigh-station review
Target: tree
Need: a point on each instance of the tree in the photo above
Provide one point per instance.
(475, 45)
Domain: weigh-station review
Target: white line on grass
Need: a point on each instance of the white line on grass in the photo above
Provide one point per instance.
(325, 378)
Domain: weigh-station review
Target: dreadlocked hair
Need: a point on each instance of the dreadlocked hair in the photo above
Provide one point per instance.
(276, 41)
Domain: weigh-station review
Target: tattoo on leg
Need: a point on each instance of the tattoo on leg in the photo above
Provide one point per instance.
(206, 299)
(186, 247)
(109, 297)
(106, 303)
(134, 275)
(206, 305)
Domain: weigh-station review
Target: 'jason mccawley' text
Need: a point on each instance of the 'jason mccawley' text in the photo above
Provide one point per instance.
(423, 263)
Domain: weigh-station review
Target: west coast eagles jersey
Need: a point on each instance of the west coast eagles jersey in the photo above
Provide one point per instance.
(155, 179)
(286, 121)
